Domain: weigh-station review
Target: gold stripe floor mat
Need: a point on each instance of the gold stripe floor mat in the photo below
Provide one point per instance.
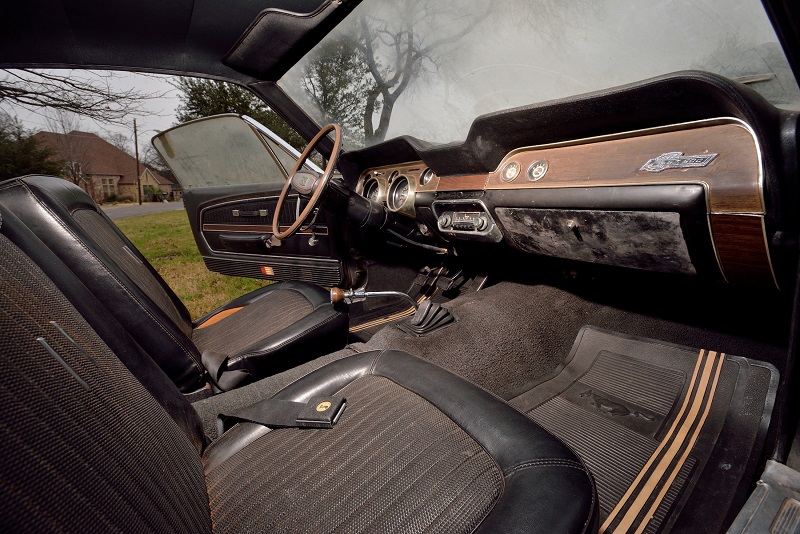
(669, 432)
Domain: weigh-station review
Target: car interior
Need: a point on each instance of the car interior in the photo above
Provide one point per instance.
(573, 313)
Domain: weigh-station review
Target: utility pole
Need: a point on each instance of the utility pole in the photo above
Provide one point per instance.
(138, 173)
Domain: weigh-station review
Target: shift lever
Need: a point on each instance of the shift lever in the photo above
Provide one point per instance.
(350, 296)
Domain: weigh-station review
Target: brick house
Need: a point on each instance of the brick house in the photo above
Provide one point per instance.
(103, 170)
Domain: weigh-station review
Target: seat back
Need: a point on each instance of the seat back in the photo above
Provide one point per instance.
(85, 446)
(71, 224)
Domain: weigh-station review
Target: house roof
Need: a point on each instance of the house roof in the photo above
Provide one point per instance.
(96, 155)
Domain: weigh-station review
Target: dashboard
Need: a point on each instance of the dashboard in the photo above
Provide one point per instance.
(684, 198)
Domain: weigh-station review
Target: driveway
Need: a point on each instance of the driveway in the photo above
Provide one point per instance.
(121, 211)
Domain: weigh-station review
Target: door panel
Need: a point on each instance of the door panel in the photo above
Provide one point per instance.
(232, 170)
(232, 226)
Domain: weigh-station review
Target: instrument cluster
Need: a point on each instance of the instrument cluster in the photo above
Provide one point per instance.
(396, 187)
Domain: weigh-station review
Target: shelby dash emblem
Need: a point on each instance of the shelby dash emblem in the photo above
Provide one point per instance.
(676, 160)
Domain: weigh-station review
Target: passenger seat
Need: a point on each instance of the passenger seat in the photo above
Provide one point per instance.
(269, 330)
(87, 448)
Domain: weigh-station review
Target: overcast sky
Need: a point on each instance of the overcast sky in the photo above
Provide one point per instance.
(522, 52)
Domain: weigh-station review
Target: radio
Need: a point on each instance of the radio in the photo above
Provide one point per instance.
(463, 221)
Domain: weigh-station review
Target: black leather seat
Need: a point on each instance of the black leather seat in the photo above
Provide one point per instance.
(266, 331)
(87, 448)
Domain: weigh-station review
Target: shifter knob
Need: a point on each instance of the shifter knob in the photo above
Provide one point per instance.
(337, 295)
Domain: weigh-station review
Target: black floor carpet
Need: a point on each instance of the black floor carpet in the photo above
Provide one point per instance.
(656, 423)
(510, 334)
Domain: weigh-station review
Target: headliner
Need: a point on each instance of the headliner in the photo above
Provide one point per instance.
(170, 36)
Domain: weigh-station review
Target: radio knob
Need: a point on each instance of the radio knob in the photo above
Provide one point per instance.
(481, 223)
(445, 220)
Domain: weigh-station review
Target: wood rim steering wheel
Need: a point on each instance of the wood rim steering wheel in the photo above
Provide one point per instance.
(315, 189)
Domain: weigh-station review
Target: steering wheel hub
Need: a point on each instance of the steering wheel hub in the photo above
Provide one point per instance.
(304, 182)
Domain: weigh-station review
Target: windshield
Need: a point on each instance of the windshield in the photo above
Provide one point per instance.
(427, 68)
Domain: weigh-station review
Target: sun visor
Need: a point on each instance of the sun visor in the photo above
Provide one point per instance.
(277, 39)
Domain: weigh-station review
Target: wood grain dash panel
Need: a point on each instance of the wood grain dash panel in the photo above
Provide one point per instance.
(732, 178)
(465, 182)
(742, 249)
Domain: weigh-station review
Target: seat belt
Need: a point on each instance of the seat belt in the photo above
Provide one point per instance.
(217, 366)
(318, 412)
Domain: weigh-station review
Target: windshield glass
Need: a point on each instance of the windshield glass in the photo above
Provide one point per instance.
(427, 68)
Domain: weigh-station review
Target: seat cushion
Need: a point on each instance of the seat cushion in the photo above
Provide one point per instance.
(417, 449)
(400, 465)
(269, 330)
(266, 315)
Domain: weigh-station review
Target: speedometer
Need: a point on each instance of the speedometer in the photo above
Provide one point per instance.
(398, 193)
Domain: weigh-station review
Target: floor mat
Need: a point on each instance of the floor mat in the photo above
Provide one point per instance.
(657, 423)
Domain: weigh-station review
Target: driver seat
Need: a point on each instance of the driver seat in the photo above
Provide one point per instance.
(264, 332)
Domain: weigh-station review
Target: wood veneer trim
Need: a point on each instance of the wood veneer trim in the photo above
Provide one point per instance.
(740, 242)
(257, 228)
(465, 182)
(733, 178)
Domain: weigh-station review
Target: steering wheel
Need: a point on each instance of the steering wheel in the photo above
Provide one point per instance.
(308, 185)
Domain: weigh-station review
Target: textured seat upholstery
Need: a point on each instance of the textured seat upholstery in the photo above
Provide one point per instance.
(87, 448)
(266, 331)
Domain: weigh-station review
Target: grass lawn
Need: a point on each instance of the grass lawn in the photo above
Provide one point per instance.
(166, 240)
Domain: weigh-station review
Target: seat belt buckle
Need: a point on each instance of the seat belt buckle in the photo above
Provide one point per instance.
(321, 412)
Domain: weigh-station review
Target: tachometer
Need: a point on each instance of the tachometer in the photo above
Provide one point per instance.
(371, 190)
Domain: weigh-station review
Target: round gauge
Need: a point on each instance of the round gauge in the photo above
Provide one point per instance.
(398, 193)
(371, 190)
(392, 176)
(426, 176)
(537, 169)
(510, 171)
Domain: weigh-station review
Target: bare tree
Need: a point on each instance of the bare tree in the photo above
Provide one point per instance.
(86, 93)
(121, 141)
(338, 83)
(403, 46)
(395, 45)
(71, 144)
